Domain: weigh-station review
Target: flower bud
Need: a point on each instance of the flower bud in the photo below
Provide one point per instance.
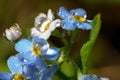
(13, 33)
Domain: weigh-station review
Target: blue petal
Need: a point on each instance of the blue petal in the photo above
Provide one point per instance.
(85, 26)
(79, 12)
(14, 65)
(54, 68)
(30, 69)
(51, 54)
(27, 57)
(89, 77)
(23, 45)
(5, 76)
(43, 43)
(34, 77)
(69, 24)
(46, 75)
(63, 13)
(40, 64)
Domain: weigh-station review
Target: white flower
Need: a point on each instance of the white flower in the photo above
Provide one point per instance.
(44, 25)
(13, 33)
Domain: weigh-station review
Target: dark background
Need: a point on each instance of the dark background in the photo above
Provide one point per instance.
(105, 56)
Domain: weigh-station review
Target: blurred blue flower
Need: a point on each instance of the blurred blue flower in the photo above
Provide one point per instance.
(89, 77)
(92, 77)
(48, 74)
(19, 71)
(74, 18)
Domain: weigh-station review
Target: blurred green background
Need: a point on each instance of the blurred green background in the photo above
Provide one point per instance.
(105, 56)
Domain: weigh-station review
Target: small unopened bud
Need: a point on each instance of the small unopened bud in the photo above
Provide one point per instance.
(13, 33)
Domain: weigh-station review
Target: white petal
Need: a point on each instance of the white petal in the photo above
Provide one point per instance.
(34, 32)
(13, 33)
(45, 26)
(54, 24)
(42, 15)
(38, 19)
(50, 15)
(8, 34)
(45, 35)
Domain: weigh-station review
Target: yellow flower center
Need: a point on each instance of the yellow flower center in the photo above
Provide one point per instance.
(78, 18)
(19, 77)
(47, 26)
(36, 50)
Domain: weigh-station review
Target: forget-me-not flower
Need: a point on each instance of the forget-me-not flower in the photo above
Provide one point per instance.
(35, 50)
(44, 25)
(19, 71)
(74, 18)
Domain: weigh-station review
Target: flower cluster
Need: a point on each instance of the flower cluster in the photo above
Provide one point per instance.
(34, 53)
(29, 63)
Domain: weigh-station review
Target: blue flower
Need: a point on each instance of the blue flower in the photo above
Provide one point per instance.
(74, 18)
(19, 71)
(34, 51)
(48, 74)
(31, 49)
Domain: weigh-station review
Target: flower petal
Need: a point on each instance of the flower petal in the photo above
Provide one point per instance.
(29, 70)
(85, 26)
(23, 45)
(42, 42)
(54, 24)
(35, 32)
(51, 54)
(50, 15)
(69, 24)
(40, 19)
(89, 77)
(45, 35)
(79, 12)
(34, 77)
(40, 64)
(27, 57)
(14, 65)
(63, 13)
(46, 75)
(5, 76)
(54, 68)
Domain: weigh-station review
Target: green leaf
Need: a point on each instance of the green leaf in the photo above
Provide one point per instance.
(86, 48)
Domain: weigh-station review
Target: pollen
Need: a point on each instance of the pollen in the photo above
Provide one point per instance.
(78, 18)
(36, 50)
(19, 77)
